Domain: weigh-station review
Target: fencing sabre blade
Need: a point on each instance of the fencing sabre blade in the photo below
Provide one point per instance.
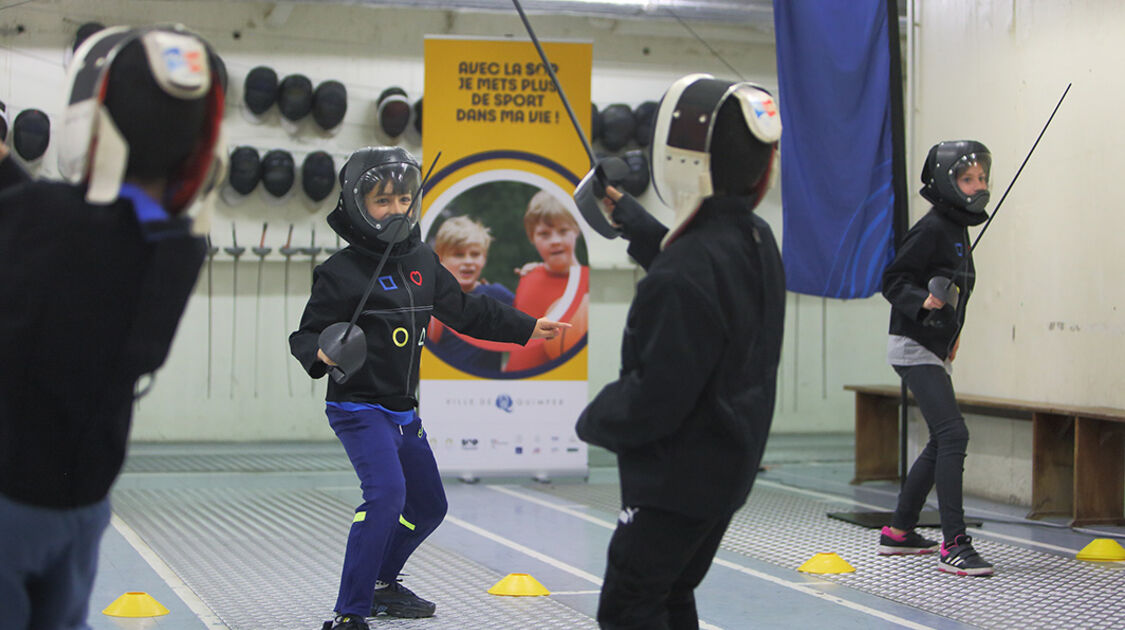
(591, 189)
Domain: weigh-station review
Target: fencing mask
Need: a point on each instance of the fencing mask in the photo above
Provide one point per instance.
(259, 90)
(318, 175)
(295, 97)
(690, 161)
(278, 173)
(31, 133)
(946, 164)
(245, 170)
(393, 111)
(330, 103)
(618, 125)
(376, 185)
(144, 103)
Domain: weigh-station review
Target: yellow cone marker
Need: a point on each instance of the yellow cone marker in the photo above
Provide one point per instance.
(826, 563)
(135, 604)
(1102, 550)
(518, 585)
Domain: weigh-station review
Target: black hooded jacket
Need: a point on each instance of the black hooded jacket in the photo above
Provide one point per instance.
(937, 245)
(691, 409)
(413, 286)
(89, 306)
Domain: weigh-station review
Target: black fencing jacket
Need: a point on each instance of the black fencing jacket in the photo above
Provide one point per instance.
(937, 245)
(691, 409)
(88, 307)
(413, 286)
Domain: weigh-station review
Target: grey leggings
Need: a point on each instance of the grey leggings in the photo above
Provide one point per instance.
(942, 461)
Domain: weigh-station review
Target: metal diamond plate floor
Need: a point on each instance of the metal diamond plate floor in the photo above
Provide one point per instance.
(259, 536)
(1031, 589)
(270, 560)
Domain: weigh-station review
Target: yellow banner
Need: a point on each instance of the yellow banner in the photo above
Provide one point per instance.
(498, 208)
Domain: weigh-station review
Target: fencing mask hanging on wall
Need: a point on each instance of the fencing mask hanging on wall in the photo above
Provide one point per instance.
(393, 112)
(330, 103)
(318, 175)
(259, 90)
(294, 100)
(31, 134)
(278, 172)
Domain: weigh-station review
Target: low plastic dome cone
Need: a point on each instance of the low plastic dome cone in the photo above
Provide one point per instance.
(1102, 550)
(826, 563)
(135, 604)
(518, 585)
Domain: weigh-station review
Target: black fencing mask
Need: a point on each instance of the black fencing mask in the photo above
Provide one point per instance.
(636, 182)
(4, 125)
(945, 163)
(295, 97)
(245, 170)
(618, 125)
(418, 116)
(318, 175)
(84, 32)
(645, 115)
(278, 172)
(31, 133)
(260, 90)
(393, 111)
(330, 103)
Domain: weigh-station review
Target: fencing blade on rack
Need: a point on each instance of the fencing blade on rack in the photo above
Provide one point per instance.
(236, 251)
(211, 251)
(287, 251)
(311, 251)
(261, 251)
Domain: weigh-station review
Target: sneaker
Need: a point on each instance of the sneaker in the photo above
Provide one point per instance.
(959, 557)
(395, 600)
(891, 544)
(346, 622)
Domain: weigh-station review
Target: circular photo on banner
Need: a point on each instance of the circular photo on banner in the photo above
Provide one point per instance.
(516, 237)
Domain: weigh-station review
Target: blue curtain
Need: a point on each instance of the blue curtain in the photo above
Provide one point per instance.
(837, 167)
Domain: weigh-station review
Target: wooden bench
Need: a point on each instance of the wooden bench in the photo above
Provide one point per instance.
(1078, 453)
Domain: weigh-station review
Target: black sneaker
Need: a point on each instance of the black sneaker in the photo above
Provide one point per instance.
(911, 542)
(395, 600)
(960, 558)
(346, 622)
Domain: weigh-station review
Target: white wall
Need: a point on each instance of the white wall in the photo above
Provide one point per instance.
(1046, 322)
(828, 343)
